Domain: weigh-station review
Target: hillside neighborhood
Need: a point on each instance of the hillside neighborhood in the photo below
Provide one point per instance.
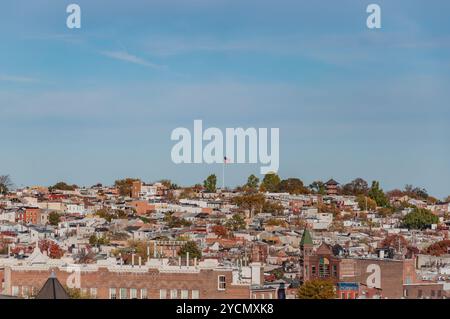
(267, 239)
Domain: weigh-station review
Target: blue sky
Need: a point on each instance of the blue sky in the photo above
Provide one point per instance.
(99, 103)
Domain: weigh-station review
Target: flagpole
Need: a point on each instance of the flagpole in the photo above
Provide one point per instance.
(223, 175)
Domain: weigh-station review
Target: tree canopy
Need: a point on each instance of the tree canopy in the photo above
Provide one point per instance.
(366, 203)
(318, 187)
(53, 218)
(271, 183)
(420, 218)
(191, 248)
(356, 187)
(210, 183)
(63, 186)
(292, 186)
(377, 194)
(236, 222)
(125, 186)
(317, 289)
(252, 183)
(5, 184)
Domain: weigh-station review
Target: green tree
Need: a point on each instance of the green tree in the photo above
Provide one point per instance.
(274, 208)
(210, 183)
(366, 203)
(235, 223)
(94, 240)
(271, 182)
(191, 248)
(252, 183)
(317, 289)
(54, 218)
(292, 186)
(104, 213)
(318, 187)
(5, 184)
(377, 194)
(420, 218)
(253, 202)
(62, 186)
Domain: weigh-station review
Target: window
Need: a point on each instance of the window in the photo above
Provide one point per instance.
(439, 293)
(433, 293)
(84, 291)
(221, 283)
(306, 270)
(173, 294)
(405, 293)
(419, 293)
(93, 292)
(313, 269)
(144, 293)
(262, 296)
(324, 267)
(335, 272)
(133, 293)
(184, 294)
(25, 291)
(112, 293)
(162, 294)
(343, 295)
(195, 294)
(270, 296)
(15, 290)
(123, 293)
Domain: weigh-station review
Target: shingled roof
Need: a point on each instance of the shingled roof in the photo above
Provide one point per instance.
(306, 238)
(52, 289)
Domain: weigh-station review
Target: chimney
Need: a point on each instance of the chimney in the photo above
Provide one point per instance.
(256, 273)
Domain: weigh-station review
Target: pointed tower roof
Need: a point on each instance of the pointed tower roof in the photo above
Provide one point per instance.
(306, 238)
(331, 182)
(52, 289)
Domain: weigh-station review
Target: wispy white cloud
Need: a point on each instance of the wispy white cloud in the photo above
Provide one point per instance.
(127, 57)
(16, 79)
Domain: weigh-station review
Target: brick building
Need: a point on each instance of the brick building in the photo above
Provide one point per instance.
(156, 279)
(28, 215)
(357, 277)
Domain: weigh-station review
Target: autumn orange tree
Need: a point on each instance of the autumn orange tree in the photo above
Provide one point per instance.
(439, 248)
(220, 231)
(317, 289)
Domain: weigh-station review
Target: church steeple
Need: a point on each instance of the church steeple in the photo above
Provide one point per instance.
(306, 243)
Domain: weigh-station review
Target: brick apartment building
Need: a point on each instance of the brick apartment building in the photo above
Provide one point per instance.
(364, 277)
(154, 280)
(28, 215)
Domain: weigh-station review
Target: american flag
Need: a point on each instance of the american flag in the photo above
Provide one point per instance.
(226, 160)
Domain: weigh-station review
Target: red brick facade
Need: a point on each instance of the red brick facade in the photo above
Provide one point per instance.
(152, 284)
